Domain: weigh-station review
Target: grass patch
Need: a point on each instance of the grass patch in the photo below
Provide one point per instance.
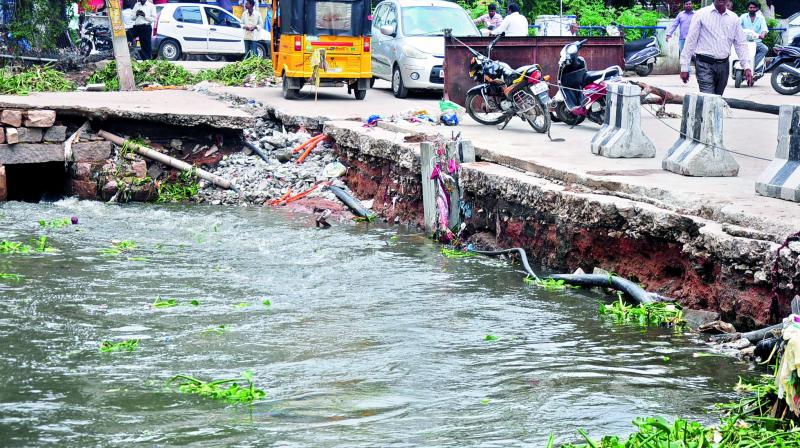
(118, 247)
(36, 78)
(234, 390)
(664, 314)
(128, 345)
(54, 223)
(182, 189)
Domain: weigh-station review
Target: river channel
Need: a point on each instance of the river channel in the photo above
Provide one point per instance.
(372, 338)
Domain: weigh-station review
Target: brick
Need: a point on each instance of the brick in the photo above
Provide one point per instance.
(139, 169)
(55, 134)
(91, 151)
(2, 135)
(3, 186)
(31, 153)
(84, 189)
(30, 135)
(12, 136)
(11, 117)
(82, 171)
(38, 118)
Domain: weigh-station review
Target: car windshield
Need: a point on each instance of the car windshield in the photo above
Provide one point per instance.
(431, 20)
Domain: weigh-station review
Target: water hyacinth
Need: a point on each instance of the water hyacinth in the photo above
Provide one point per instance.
(227, 389)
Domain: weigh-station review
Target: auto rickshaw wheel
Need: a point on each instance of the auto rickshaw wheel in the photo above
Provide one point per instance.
(289, 94)
(360, 93)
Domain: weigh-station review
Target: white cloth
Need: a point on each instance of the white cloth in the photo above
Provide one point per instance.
(249, 20)
(127, 18)
(514, 24)
(149, 10)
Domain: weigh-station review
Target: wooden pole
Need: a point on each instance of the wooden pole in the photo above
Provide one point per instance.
(120, 42)
(170, 161)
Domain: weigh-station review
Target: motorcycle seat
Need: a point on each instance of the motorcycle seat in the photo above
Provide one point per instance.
(636, 45)
(593, 76)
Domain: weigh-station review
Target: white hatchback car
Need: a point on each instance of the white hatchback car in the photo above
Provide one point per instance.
(197, 28)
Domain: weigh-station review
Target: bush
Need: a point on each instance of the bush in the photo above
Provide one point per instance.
(36, 78)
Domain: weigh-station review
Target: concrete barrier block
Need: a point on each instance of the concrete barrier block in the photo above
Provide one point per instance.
(699, 150)
(621, 135)
(781, 179)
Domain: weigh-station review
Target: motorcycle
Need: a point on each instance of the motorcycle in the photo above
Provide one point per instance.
(640, 55)
(505, 93)
(94, 39)
(736, 70)
(581, 93)
(785, 68)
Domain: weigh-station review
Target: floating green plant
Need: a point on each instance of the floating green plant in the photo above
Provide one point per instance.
(369, 218)
(128, 345)
(227, 389)
(36, 245)
(165, 303)
(490, 337)
(195, 302)
(241, 305)
(54, 223)
(182, 189)
(454, 253)
(118, 247)
(6, 276)
(659, 313)
(266, 302)
(219, 329)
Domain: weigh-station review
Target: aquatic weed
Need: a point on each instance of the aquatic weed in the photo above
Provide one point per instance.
(182, 189)
(266, 302)
(118, 247)
(6, 276)
(491, 337)
(126, 345)
(54, 223)
(36, 245)
(216, 389)
(166, 303)
(455, 253)
(644, 314)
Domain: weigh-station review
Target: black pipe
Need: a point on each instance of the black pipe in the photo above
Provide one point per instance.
(256, 150)
(352, 203)
(589, 280)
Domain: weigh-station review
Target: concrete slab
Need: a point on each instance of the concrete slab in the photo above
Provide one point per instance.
(177, 107)
(730, 201)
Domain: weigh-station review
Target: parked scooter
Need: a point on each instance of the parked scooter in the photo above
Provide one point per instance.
(581, 93)
(737, 72)
(640, 55)
(505, 93)
(94, 39)
(785, 68)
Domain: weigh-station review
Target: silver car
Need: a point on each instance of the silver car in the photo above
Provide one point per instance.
(408, 42)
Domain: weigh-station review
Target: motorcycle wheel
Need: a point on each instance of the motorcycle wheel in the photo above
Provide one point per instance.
(737, 80)
(477, 109)
(566, 116)
(644, 69)
(781, 78)
(538, 117)
(85, 47)
(599, 117)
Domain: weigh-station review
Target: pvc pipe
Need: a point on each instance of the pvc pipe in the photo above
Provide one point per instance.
(351, 202)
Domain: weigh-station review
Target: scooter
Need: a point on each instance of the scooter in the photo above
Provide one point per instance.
(94, 39)
(785, 68)
(737, 72)
(581, 93)
(640, 55)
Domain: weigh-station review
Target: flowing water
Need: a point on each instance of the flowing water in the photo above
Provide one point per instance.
(373, 338)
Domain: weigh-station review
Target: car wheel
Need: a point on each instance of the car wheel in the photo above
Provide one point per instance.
(170, 50)
(262, 51)
(213, 57)
(289, 94)
(398, 89)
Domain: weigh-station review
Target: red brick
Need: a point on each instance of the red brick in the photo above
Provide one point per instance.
(84, 189)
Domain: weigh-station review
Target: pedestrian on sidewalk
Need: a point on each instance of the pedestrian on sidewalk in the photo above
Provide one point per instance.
(712, 32)
(144, 13)
(251, 24)
(682, 22)
(755, 25)
(127, 19)
(514, 24)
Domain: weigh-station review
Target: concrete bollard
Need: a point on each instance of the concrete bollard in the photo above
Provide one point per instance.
(699, 150)
(622, 135)
(781, 179)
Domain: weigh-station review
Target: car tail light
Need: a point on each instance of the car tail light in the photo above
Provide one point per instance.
(155, 24)
(298, 43)
(367, 44)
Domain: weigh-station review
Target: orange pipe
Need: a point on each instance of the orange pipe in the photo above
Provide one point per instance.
(308, 142)
(300, 195)
(308, 151)
(284, 196)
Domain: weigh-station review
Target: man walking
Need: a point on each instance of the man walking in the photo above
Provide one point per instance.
(682, 22)
(755, 25)
(491, 19)
(712, 32)
(515, 24)
(251, 24)
(144, 13)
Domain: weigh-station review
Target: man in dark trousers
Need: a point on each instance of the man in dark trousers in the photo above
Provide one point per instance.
(712, 32)
(144, 14)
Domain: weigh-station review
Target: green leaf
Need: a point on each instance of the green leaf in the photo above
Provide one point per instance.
(195, 302)
(266, 302)
(490, 337)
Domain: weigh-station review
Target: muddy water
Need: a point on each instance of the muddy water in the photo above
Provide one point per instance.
(372, 339)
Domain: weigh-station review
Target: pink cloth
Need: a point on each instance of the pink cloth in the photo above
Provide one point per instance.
(712, 34)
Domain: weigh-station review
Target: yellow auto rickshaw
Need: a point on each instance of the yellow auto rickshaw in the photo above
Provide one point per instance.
(323, 43)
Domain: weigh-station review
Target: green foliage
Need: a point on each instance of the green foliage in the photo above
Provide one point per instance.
(54, 223)
(771, 39)
(668, 314)
(37, 78)
(596, 13)
(118, 247)
(165, 303)
(266, 302)
(254, 69)
(14, 277)
(234, 393)
(128, 345)
(195, 302)
(636, 16)
(182, 189)
(490, 337)
(455, 253)
(36, 245)
(38, 22)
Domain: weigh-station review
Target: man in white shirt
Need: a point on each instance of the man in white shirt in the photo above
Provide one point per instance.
(144, 14)
(251, 24)
(514, 24)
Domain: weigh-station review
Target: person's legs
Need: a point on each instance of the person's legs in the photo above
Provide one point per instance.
(761, 51)
(250, 48)
(705, 76)
(681, 43)
(146, 41)
(721, 72)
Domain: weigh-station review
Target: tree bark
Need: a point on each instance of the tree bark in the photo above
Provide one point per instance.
(665, 97)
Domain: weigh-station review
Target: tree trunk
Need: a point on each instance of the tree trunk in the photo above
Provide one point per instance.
(665, 97)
